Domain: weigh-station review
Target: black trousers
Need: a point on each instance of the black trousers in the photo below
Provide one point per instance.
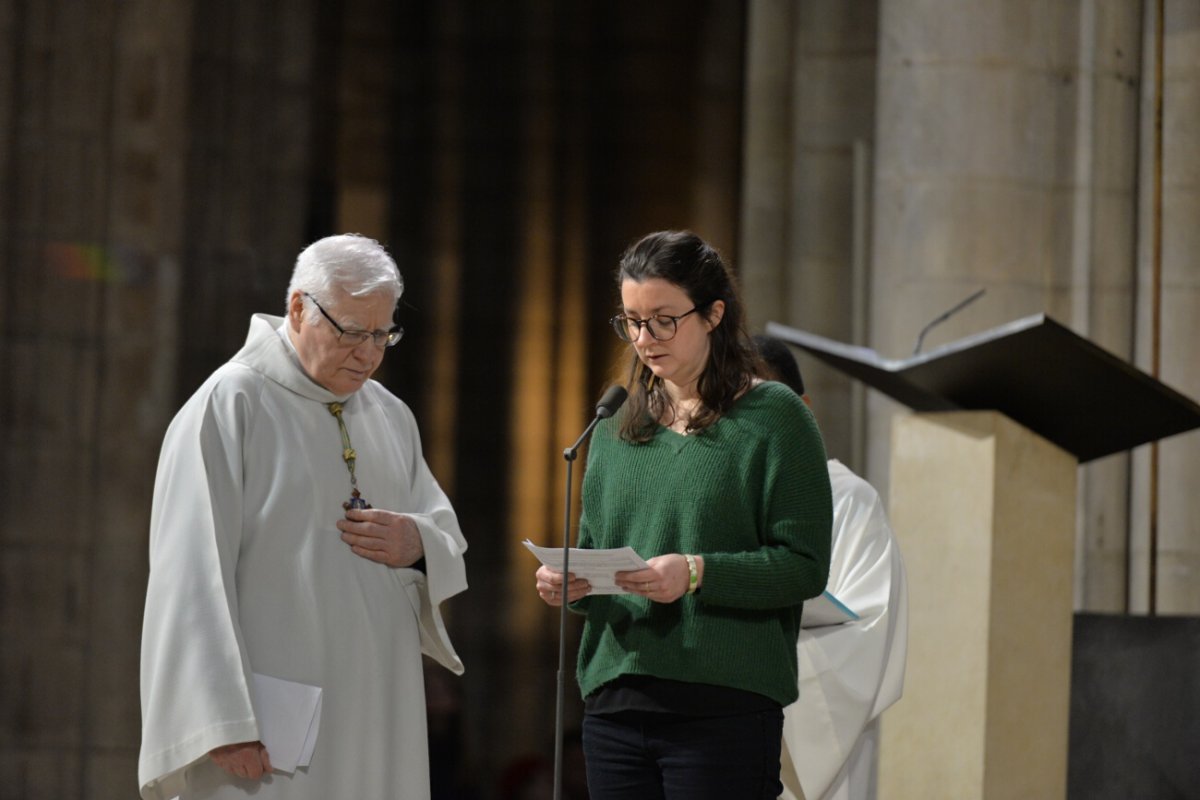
(635, 756)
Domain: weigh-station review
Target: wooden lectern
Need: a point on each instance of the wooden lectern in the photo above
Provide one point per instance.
(982, 501)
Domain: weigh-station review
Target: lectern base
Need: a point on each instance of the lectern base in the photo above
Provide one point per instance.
(984, 511)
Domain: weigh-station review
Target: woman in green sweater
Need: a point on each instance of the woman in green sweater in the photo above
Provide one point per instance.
(719, 481)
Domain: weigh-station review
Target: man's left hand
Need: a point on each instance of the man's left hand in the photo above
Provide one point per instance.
(384, 536)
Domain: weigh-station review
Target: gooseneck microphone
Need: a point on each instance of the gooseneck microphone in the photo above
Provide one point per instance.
(610, 401)
(945, 315)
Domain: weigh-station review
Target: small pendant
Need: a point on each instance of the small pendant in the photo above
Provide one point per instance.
(355, 501)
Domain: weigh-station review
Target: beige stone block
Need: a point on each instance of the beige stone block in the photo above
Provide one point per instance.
(835, 99)
(1113, 161)
(1118, 46)
(835, 26)
(1103, 580)
(1178, 581)
(1113, 243)
(1181, 131)
(1110, 319)
(1181, 29)
(833, 405)
(819, 295)
(1037, 35)
(1179, 464)
(822, 207)
(1180, 334)
(1100, 555)
(955, 119)
(997, 232)
(984, 511)
(1181, 238)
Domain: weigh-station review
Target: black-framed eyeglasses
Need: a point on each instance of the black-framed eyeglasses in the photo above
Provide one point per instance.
(353, 338)
(662, 327)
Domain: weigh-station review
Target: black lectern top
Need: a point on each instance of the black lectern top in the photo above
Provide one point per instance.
(1037, 372)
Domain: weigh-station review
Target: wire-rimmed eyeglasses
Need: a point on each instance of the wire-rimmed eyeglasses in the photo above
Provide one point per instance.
(353, 338)
(662, 327)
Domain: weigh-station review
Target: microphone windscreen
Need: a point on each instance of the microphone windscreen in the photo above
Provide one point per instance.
(611, 401)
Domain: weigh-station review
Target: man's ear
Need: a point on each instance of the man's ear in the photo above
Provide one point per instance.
(296, 310)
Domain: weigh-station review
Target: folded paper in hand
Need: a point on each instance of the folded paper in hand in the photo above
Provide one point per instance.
(289, 715)
(597, 567)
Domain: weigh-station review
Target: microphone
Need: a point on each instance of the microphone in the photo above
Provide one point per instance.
(945, 316)
(610, 401)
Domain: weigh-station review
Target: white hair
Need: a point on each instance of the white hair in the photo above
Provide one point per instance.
(356, 264)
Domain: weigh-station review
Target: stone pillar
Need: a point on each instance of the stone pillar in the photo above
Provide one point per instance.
(1178, 504)
(767, 153)
(810, 99)
(1007, 160)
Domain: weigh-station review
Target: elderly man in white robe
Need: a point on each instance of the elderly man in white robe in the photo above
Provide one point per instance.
(300, 550)
(849, 673)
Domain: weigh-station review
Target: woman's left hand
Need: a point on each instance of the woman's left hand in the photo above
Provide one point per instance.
(664, 581)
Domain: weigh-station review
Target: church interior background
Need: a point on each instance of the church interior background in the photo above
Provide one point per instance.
(864, 165)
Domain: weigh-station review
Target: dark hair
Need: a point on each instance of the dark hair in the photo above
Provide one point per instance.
(778, 362)
(683, 259)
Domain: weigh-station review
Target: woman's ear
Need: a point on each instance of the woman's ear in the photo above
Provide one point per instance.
(716, 312)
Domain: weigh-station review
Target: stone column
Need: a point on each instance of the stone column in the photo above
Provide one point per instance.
(1007, 160)
(1178, 504)
(810, 99)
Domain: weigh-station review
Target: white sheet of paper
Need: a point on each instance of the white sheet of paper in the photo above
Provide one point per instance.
(289, 716)
(598, 567)
(825, 609)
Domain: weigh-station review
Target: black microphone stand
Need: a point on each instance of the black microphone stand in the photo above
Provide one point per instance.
(569, 455)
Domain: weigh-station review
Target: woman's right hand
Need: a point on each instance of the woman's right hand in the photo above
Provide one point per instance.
(550, 586)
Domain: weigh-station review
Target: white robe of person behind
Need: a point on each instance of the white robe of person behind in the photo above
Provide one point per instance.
(849, 673)
(248, 574)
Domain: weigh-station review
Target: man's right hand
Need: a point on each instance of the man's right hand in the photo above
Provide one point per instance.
(243, 760)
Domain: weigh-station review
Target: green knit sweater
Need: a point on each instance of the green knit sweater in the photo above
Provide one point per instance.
(751, 495)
